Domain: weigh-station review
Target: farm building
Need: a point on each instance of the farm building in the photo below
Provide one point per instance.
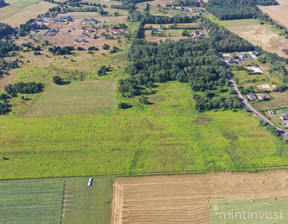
(154, 30)
(117, 31)
(255, 70)
(255, 54)
(252, 96)
(284, 117)
(230, 61)
(51, 32)
(243, 56)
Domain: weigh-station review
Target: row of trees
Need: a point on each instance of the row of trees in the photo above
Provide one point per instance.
(57, 50)
(24, 87)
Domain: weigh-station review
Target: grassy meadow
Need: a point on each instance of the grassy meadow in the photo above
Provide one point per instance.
(244, 77)
(166, 136)
(86, 205)
(88, 97)
(31, 201)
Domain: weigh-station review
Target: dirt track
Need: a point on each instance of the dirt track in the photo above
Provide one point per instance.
(186, 199)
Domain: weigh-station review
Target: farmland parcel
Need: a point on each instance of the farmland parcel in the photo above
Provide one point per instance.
(190, 198)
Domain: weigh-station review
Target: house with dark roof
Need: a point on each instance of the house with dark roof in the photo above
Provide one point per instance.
(255, 54)
(69, 19)
(284, 117)
(243, 56)
(230, 61)
(252, 96)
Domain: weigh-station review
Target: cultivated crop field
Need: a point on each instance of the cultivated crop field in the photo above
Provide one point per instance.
(258, 35)
(87, 97)
(86, 205)
(166, 136)
(189, 198)
(19, 11)
(31, 201)
(277, 12)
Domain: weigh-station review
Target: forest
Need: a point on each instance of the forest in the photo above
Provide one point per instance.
(233, 9)
(2, 3)
(185, 61)
(5, 29)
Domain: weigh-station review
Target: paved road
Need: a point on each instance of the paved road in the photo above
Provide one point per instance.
(253, 110)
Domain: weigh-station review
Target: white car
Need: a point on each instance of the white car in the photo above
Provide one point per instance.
(90, 182)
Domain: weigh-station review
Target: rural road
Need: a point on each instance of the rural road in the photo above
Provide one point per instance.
(253, 110)
(204, 31)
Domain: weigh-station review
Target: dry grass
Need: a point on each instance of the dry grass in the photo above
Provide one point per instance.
(277, 12)
(259, 35)
(186, 199)
(15, 15)
(278, 100)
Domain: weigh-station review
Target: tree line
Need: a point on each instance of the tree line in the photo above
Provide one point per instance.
(234, 9)
(24, 87)
(57, 50)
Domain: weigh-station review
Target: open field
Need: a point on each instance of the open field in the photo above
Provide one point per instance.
(167, 34)
(19, 12)
(87, 205)
(87, 97)
(277, 100)
(167, 136)
(31, 201)
(277, 12)
(190, 198)
(245, 78)
(259, 35)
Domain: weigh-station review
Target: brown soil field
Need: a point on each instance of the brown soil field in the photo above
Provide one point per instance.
(187, 198)
(277, 12)
(260, 35)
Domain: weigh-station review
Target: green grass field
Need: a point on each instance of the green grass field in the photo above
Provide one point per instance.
(21, 3)
(245, 78)
(167, 136)
(87, 97)
(31, 201)
(87, 205)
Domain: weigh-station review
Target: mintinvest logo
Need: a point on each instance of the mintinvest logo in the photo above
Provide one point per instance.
(247, 212)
